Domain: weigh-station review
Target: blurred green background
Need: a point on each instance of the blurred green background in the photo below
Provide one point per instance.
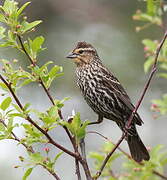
(108, 25)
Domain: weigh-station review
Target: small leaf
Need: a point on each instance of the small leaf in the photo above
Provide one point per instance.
(2, 31)
(6, 103)
(82, 130)
(57, 156)
(17, 108)
(25, 82)
(37, 158)
(2, 128)
(27, 173)
(22, 8)
(54, 71)
(37, 43)
(3, 86)
(2, 18)
(151, 45)
(163, 75)
(28, 26)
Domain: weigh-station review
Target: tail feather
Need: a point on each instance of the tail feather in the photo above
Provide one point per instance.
(137, 148)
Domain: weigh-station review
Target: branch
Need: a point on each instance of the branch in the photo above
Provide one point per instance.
(126, 154)
(76, 151)
(53, 103)
(153, 70)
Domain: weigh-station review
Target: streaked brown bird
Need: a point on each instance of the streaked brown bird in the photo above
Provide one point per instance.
(106, 96)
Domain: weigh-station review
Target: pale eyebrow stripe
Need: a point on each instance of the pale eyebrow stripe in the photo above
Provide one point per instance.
(86, 49)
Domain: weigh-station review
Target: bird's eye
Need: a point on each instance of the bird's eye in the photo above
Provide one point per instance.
(81, 51)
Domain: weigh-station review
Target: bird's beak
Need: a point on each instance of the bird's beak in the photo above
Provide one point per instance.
(71, 55)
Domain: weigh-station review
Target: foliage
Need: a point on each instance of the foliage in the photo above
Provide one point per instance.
(153, 16)
(14, 28)
(130, 169)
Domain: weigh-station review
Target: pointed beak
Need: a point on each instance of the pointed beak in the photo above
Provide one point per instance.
(71, 55)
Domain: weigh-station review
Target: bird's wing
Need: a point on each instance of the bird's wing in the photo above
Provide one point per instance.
(112, 82)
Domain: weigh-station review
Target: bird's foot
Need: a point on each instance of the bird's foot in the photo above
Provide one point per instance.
(100, 120)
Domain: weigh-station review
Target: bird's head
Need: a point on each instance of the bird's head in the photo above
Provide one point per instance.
(83, 53)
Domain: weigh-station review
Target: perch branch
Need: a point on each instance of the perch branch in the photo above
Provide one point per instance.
(153, 70)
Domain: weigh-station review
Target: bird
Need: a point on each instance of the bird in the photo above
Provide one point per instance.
(106, 96)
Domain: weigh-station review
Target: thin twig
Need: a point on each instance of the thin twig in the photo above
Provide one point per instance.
(109, 140)
(24, 50)
(160, 175)
(136, 107)
(125, 153)
(78, 173)
(82, 160)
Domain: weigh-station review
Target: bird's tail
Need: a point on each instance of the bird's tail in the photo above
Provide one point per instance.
(137, 148)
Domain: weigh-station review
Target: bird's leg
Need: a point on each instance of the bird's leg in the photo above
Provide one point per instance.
(100, 119)
(82, 147)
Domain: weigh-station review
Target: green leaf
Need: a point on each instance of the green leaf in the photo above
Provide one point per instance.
(162, 104)
(2, 18)
(3, 86)
(45, 65)
(2, 127)
(25, 82)
(27, 173)
(57, 156)
(54, 71)
(163, 75)
(37, 43)
(2, 31)
(151, 45)
(28, 26)
(76, 127)
(82, 130)
(10, 7)
(6, 103)
(150, 7)
(164, 66)
(22, 8)
(153, 7)
(37, 158)
(17, 108)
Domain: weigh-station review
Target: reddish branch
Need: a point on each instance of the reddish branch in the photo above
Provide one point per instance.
(153, 69)
(60, 115)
